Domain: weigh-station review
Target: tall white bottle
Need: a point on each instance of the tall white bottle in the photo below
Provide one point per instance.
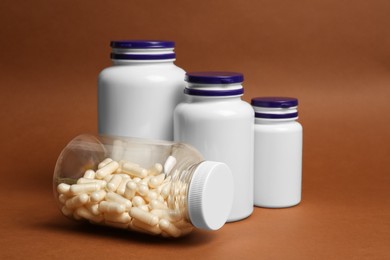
(138, 93)
(219, 124)
(278, 152)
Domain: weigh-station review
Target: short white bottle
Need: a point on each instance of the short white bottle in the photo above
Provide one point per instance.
(278, 152)
(219, 124)
(138, 93)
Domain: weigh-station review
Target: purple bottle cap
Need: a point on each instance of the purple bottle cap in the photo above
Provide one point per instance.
(274, 102)
(214, 77)
(142, 44)
(283, 103)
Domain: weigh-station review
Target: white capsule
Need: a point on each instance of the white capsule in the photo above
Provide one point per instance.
(168, 178)
(166, 189)
(114, 183)
(63, 188)
(145, 180)
(156, 181)
(67, 211)
(139, 230)
(101, 183)
(62, 198)
(98, 195)
(118, 148)
(183, 189)
(116, 224)
(84, 213)
(173, 216)
(142, 189)
(130, 190)
(168, 227)
(119, 170)
(84, 188)
(183, 224)
(169, 164)
(136, 179)
(111, 207)
(175, 188)
(151, 195)
(76, 216)
(159, 213)
(77, 201)
(122, 186)
(155, 169)
(171, 201)
(134, 170)
(93, 208)
(104, 163)
(156, 204)
(124, 176)
(112, 196)
(144, 207)
(119, 218)
(89, 174)
(144, 216)
(138, 201)
(108, 169)
(161, 198)
(165, 234)
(152, 229)
(108, 178)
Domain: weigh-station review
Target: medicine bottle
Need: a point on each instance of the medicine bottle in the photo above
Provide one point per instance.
(219, 124)
(155, 187)
(278, 152)
(138, 93)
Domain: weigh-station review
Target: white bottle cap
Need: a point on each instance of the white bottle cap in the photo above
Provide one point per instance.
(210, 195)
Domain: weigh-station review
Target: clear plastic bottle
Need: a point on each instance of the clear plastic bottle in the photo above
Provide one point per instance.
(278, 152)
(155, 187)
(138, 93)
(216, 121)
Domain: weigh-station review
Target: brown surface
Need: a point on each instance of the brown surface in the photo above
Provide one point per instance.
(333, 55)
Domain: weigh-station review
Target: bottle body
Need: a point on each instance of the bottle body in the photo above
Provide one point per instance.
(137, 96)
(221, 128)
(144, 186)
(278, 152)
(278, 164)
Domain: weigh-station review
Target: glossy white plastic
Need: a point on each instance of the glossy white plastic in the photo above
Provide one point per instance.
(278, 154)
(221, 128)
(136, 98)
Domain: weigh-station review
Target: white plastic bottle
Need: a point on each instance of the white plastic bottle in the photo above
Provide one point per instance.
(219, 124)
(138, 93)
(278, 152)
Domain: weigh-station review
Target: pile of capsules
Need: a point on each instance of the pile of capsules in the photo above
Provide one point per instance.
(125, 195)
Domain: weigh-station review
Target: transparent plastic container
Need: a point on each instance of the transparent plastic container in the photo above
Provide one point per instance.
(155, 187)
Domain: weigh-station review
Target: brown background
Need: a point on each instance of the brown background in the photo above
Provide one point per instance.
(333, 55)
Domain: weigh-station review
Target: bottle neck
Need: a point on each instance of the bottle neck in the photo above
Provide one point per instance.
(123, 56)
(275, 115)
(141, 63)
(207, 92)
(191, 98)
(267, 121)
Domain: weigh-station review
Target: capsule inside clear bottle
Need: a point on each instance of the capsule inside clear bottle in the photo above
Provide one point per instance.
(133, 184)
